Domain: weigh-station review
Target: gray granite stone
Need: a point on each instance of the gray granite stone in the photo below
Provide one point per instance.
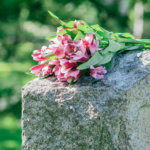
(112, 114)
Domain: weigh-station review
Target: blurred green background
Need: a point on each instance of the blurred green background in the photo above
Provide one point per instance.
(24, 25)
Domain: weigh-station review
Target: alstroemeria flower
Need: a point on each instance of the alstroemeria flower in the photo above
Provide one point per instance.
(69, 49)
(73, 75)
(64, 71)
(69, 76)
(59, 75)
(58, 45)
(47, 70)
(98, 72)
(90, 43)
(41, 55)
(54, 62)
(80, 52)
(37, 70)
(94, 47)
(66, 65)
(88, 40)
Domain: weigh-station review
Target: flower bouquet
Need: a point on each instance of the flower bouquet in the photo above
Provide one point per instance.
(79, 49)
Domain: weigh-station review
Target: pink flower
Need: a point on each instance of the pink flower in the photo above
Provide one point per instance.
(88, 40)
(57, 48)
(73, 75)
(64, 71)
(37, 70)
(59, 51)
(59, 75)
(58, 45)
(98, 72)
(41, 55)
(90, 43)
(94, 47)
(66, 65)
(69, 49)
(42, 70)
(66, 38)
(76, 23)
(63, 68)
(47, 70)
(80, 52)
(54, 62)
(70, 76)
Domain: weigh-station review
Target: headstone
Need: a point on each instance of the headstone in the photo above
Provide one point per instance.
(112, 114)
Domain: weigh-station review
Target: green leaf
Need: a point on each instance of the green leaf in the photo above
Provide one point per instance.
(126, 35)
(98, 37)
(52, 57)
(112, 47)
(63, 32)
(145, 41)
(56, 18)
(84, 23)
(132, 41)
(91, 62)
(51, 37)
(102, 32)
(97, 27)
(68, 31)
(86, 29)
(93, 80)
(131, 48)
(106, 58)
(68, 24)
(28, 72)
(108, 65)
(79, 36)
(72, 82)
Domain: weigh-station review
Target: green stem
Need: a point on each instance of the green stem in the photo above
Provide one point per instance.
(135, 41)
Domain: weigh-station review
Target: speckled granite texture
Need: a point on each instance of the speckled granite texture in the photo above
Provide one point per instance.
(113, 114)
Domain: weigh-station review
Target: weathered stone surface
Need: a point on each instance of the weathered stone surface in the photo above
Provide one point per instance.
(113, 114)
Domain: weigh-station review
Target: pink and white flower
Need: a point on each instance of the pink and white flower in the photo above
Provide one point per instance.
(80, 53)
(90, 43)
(58, 45)
(73, 75)
(66, 65)
(47, 70)
(94, 47)
(42, 55)
(37, 70)
(98, 72)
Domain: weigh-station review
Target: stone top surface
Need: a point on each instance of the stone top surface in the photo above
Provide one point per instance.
(127, 69)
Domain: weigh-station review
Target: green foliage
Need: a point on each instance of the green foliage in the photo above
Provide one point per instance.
(79, 35)
(51, 37)
(113, 47)
(10, 132)
(126, 35)
(56, 18)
